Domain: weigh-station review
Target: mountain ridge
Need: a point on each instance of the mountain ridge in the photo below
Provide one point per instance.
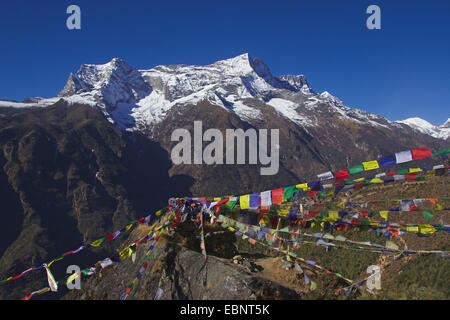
(136, 99)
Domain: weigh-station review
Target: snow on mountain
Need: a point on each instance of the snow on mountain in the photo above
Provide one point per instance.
(440, 132)
(36, 102)
(135, 99)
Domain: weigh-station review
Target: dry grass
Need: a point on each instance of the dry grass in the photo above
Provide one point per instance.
(143, 229)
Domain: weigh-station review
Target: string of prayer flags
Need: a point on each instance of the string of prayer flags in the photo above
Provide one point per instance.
(145, 265)
(88, 271)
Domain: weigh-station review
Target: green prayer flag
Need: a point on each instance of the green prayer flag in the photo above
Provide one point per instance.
(427, 214)
(373, 213)
(288, 192)
(403, 171)
(356, 169)
(440, 152)
(232, 204)
(323, 214)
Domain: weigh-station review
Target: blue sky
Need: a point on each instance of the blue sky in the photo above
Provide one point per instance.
(400, 71)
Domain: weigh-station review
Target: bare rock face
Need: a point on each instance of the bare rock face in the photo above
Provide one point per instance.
(183, 274)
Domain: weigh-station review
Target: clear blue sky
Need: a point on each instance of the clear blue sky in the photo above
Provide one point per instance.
(400, 71)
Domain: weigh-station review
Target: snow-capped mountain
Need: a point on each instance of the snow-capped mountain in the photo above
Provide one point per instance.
(440, 132)
(140, 99)
(135, 99)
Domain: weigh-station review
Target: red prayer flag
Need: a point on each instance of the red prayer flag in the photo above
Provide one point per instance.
(311, 193)
(410, 176)
(109, 238)
(277, 196)
(421, 153)
(358, 186)
(341, 174)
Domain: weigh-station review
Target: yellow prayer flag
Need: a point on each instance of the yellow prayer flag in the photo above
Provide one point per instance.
(412, 170)
(303, 186)
(431, 173)
(426, 229)
(217, 199)
(333, 214)
(384, 214)
(376, 180)
(125, 253)
(72, 277)
(244, 201)
(359, 179)
(412, 229)
(370, 165)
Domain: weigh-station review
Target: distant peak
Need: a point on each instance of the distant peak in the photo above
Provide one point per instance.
(417, 122)
(446, 124)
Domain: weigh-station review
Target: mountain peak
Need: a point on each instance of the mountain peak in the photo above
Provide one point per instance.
(241, 64)
(421, 125)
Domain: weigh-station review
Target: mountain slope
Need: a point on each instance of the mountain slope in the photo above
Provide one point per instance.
(70, 177)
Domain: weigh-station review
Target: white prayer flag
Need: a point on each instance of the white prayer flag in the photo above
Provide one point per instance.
(266, 198)
(403, 156)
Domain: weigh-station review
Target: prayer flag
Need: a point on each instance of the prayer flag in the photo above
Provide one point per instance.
(421, 153)
(266, 198)
(277, 196)
(386, 161)
(341, 174)
(244, 201)
(403, 156)
(370, 165)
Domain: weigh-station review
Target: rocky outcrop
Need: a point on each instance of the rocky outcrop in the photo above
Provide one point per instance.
(183, 274)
